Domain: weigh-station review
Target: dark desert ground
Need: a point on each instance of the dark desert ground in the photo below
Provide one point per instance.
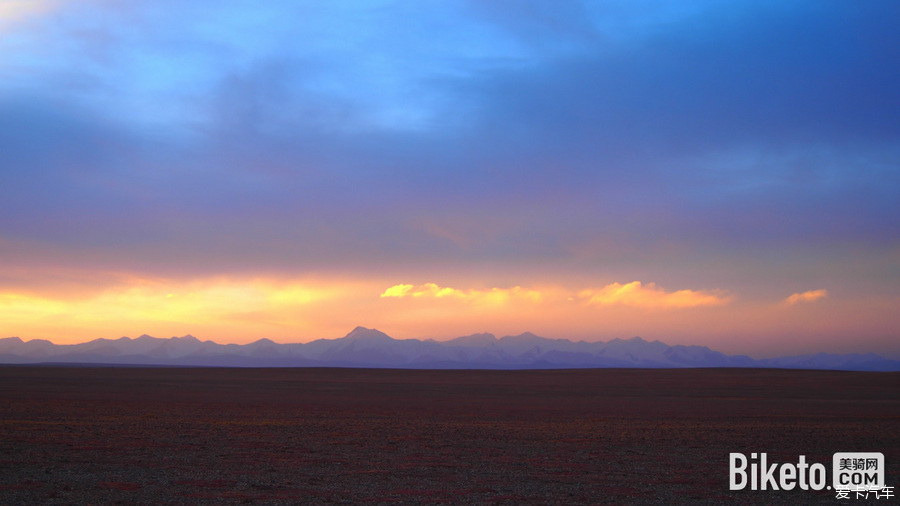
(79, 435)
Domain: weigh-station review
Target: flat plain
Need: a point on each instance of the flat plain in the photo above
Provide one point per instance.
(143, 435)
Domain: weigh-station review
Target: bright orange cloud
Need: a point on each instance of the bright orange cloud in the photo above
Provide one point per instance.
(808, 296)
(650, 295)
(432, 290)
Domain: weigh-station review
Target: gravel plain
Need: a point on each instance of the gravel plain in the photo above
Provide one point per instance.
(129, 435)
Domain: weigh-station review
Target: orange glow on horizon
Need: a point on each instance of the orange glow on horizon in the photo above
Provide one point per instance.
(297, 309)
(234, 310)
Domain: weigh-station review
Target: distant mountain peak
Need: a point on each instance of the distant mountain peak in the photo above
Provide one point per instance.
(367, 334)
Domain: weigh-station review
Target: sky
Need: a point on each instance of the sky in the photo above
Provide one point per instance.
(718, 173)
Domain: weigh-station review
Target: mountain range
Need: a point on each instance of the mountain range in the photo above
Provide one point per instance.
(371, 348)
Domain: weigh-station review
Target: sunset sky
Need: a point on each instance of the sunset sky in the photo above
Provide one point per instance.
(719, 173)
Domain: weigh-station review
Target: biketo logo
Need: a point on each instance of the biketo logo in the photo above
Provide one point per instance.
(859, 472)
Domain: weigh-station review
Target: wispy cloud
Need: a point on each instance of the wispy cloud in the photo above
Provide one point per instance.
(650, 295)
(807, 296)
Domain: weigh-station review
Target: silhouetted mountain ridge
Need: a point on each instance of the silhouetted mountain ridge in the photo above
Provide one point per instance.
(364, 347)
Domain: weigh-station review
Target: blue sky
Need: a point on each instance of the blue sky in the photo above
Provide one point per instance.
(747, 148)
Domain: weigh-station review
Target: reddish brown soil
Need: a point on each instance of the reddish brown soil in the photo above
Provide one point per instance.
(72, 435)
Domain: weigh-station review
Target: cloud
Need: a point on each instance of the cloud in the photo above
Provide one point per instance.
(807, 296)
(650, 295)
(631, 294)
(238, 147)
(433, 291)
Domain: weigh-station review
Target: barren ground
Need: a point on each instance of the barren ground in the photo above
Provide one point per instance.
(76, 435)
